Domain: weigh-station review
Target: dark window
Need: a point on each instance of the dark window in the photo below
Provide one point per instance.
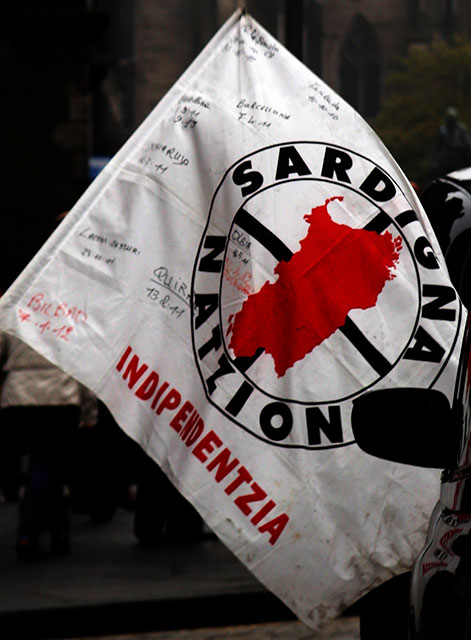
(449, 24)
(360, 68)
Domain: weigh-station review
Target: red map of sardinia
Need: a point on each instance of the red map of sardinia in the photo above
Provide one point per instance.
(336, 269)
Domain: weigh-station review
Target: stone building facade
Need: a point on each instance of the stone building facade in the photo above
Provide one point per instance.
(351, 44)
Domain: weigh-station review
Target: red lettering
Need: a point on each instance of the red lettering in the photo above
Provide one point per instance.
(23, 315)
(123, 358)
(190, 424)
(190, 437)
(243, 501)
(74, 312)
(158, 394)
(62, 308)
(133, 371)
(446, 537)
(35, 302)
(81, 313)
(148, 387)
(275, 527)
(428, 566)
(263, 512)
(190, 427)
(176, 422)
(224, 467)
(170, 402)
(206, 444)
(242, 476)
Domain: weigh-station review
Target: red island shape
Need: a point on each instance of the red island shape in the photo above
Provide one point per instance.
(336, 269)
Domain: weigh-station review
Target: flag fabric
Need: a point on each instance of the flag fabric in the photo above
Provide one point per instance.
(250, 262)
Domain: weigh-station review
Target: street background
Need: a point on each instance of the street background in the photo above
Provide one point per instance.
(111, 587)
(341, 629)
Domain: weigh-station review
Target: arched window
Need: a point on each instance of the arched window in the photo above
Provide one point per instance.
(360, 68)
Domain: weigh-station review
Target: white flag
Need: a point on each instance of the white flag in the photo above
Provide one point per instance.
(250, 262)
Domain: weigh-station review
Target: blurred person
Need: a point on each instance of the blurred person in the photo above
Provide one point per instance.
(10, 466)
(103, 470)
(453, 146)
(10, 469)
(40, 407)
(161, 512)
(107, 465)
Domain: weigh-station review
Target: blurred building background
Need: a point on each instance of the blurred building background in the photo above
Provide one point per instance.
(78, 76)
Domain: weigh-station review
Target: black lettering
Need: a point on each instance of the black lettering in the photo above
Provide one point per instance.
(208, 262)
(225, 368)
(289, 161)
(424, 253)
(378, 186)
(83, 234)
(317, 422)
(243, 363)
(379, 223)
(206, 304)
(406, 217)
(425, 349)
(241, 396)
(336, 163)
(257, 230)
(214, 343)
(282, 411)
(443, 295)
(242, 175)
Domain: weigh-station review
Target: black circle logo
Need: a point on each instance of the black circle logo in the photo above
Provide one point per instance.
(309, 288)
